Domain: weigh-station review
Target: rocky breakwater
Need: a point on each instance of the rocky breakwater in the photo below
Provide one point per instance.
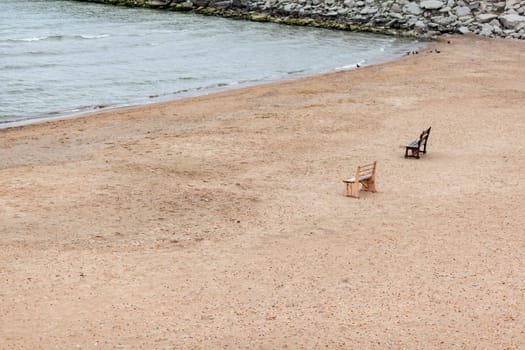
(426, 18)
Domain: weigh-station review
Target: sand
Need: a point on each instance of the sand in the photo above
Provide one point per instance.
(220, 221)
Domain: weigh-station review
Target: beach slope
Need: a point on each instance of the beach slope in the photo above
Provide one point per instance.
(220, 222)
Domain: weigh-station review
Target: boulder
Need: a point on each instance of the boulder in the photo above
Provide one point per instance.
(497, 30)
(397, 16)
(462, 11)
(495, 24)
(413, 8)
(368, 11)
(200, 3)
(512, 21)
(467, 21)
(486, 17)
(443, 20)
(463, 30)
(431, 4)
(499, 5)
(155, 3)
(510, 4)
(420, 25)
(219, 4)
(395, 8)
(486, 30)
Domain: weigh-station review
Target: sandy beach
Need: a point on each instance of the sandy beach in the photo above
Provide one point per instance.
(220, 222)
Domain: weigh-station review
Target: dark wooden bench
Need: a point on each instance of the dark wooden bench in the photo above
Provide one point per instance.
(418, 146)
(364, 175)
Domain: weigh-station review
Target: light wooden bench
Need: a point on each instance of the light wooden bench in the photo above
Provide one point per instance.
(417, 146)
(365, 177)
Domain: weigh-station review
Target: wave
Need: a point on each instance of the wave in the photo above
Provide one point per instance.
(100, 36)
(57, 37)
(28, 66)
(293, 72)
(40, 53)
(210, 88)
(30, 39)
(351, 66)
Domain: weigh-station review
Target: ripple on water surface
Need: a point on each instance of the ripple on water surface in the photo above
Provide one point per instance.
(62, 57)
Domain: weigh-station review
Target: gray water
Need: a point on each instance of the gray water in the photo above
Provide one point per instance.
(67, 57)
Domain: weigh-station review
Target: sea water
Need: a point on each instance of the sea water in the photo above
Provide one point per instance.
(65, 57)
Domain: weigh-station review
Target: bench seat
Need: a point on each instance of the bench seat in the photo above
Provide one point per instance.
(413, 144)
(414, 148)
(365, 178)
(361, 178)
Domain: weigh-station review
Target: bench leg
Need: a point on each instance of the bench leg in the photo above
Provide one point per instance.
(352, 190)
(414, 152)
(369, 186)
(355, 190)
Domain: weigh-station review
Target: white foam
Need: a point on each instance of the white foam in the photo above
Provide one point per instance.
(32, 39)
(94, 36)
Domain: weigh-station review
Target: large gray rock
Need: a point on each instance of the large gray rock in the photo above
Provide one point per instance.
(443, 20)
(288, 7)
(486, 17)
(413, 8)
(395, 8)
(510, 4)
(420, 25)
(368, 11)
(486, 30)
(512, 21)
(431, 4)
(463, 30)
(497, 30)
(466, 22)
(462, 11)
(495, 23)
(156, 3)
(397, 16)
(499, 5)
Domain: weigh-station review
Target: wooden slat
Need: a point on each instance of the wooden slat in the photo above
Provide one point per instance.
(367, 166)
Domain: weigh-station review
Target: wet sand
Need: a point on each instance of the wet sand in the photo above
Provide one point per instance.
(220, 221)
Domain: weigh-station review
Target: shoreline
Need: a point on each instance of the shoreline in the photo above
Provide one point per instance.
(219, 221)
(200, 91)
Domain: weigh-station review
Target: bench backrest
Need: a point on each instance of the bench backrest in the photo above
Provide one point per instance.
(366, 171)
(423, 138)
